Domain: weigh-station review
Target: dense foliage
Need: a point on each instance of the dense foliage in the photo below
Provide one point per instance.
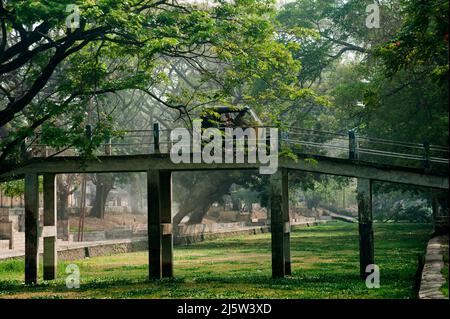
(308, 63)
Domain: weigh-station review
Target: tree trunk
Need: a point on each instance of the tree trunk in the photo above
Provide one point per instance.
(236, 203)
(63, 213)
(199, 201)
(66, 187)
(196, 217)
(135, 195)
(178, 218)
(196, 192)
(104, 184)
(440, 213)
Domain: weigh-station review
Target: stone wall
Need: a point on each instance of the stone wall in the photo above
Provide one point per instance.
(6, 227)
(196, 229)
(198, 237)
(101, 235)
(6, 233)
(103, 249)
(97, 235)
(195, 235)
(432, 278)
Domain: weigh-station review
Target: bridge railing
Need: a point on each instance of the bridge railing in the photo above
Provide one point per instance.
(165, 141)
(305, 141)
(316, 142)
(364, 148)
(127, 142)
(402, 153)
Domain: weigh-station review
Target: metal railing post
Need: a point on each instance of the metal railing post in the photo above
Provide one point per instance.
(283, 136)
(426, 155)
(280, 138)
(156, 137)
(108, 146)
(352, 145)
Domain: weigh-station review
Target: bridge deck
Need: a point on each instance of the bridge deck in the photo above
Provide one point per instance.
(316, 164)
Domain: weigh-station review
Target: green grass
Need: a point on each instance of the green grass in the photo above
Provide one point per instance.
(325, 264)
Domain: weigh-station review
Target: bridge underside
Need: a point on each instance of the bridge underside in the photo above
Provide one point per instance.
(160, 237)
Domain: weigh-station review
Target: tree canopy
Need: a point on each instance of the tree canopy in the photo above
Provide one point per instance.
(56, 76)
(313, 64)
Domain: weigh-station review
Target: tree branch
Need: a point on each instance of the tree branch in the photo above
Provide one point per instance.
(62, 52)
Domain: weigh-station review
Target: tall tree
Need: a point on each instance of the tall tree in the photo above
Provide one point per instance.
(53, 73)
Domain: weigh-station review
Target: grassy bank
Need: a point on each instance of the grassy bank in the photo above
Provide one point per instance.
(324, 262)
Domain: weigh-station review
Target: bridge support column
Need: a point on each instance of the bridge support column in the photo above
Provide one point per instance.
(31, 228)
(154, 222)
(166, 223)
(279, 213)
(287, 222)
(49, 231)
(160, 240)
(366, 248)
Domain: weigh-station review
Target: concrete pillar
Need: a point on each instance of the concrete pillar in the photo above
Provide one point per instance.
(49, 232)
(287, 222)
(31, 228)
(278, 211)
(366, 250)
(154, 222)
(159, 189)
(166, 223)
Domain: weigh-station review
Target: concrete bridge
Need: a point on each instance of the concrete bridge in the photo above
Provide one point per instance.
(159, 168)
